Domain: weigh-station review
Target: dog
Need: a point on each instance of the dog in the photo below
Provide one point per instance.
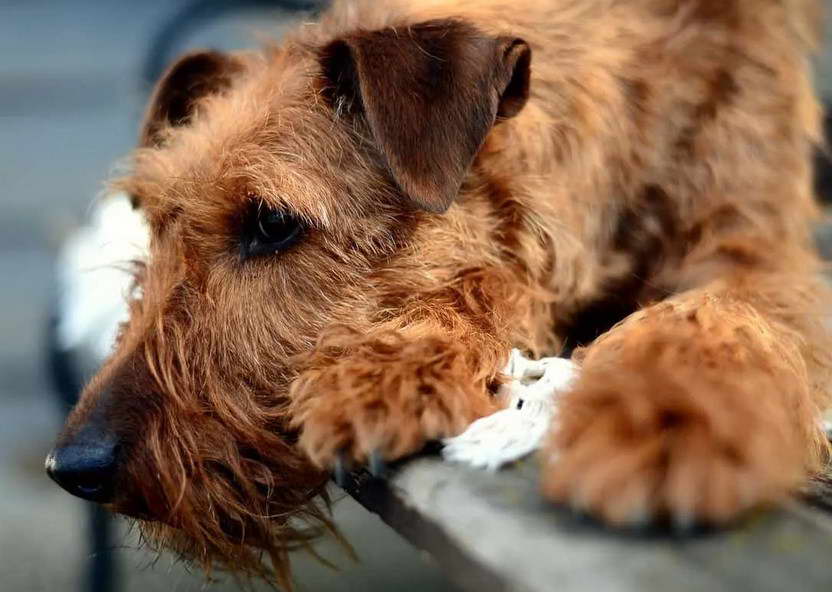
(351, 230)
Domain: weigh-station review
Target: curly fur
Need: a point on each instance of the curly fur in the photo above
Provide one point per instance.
(653, 166)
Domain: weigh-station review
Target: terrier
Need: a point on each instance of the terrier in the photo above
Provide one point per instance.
(351, 230)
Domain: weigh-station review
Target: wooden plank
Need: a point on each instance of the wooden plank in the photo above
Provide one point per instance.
(493, 532)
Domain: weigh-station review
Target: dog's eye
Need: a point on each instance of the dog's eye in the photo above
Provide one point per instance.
(270, 231)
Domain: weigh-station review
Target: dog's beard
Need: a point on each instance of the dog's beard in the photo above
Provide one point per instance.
(264, 555)
(243, 507)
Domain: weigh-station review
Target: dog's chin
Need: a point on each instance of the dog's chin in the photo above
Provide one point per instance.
(229, 545)
(138, 511)
(232, 551)
(133, 509)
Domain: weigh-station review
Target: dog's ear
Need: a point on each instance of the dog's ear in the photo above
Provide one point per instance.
(191, 77)
(430, 94)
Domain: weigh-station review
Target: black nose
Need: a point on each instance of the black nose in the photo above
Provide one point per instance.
(85, 468)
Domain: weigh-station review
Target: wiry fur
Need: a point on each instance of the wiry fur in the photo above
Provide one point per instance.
(660, 166)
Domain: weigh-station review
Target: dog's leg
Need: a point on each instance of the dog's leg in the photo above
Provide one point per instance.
(384, 396)
(424, 373)
(697, 408)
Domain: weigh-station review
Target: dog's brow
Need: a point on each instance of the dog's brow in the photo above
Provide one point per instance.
(316, 219)
(313, 212)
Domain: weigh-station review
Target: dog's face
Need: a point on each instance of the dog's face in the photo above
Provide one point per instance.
(287, 193)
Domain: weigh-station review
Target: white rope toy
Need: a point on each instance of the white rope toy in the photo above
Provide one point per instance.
(518, 430)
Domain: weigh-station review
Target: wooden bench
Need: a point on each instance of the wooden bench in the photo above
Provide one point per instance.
(493, 532)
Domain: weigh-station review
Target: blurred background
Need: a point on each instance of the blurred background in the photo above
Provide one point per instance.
(73, 79)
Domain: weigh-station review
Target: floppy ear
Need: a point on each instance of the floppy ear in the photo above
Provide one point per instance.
(191, 77)
(430, 94)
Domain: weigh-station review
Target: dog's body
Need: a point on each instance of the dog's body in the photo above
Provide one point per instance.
(437, 201)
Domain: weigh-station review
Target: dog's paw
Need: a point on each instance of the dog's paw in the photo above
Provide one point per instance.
(385, 403)
(636, 449)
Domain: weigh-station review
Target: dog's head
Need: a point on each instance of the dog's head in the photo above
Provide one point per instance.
(287, 192)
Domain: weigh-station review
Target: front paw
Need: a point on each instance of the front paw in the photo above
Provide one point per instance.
(648, 446)
(383, 403)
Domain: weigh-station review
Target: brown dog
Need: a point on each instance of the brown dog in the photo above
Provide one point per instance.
(350, 231)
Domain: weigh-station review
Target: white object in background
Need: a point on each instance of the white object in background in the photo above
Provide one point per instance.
(518, 430)
(94, 276)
